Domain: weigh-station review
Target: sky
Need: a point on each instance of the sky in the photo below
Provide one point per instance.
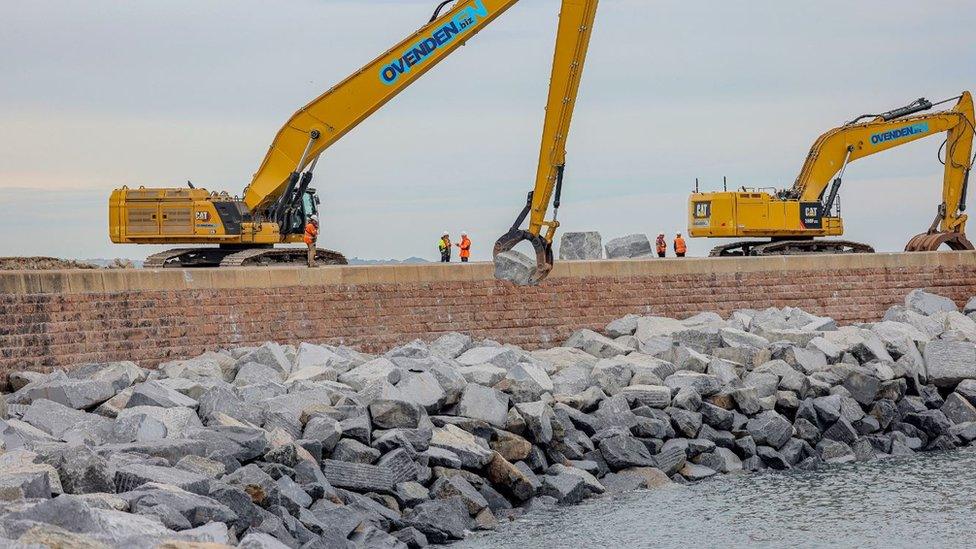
(99, 94)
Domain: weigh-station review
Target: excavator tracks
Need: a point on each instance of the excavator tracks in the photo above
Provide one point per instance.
(759, 248)
(248, 257)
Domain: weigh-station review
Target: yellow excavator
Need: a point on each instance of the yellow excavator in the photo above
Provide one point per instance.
(791, 219)
(279, 200)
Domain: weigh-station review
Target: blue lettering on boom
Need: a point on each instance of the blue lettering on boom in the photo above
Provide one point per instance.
(444, 35)
(900, 133)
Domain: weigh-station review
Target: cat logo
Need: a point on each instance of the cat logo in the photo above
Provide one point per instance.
(703, 210)
(811, 215)
(203, 216)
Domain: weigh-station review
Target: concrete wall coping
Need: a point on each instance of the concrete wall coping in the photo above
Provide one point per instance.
(107, 281)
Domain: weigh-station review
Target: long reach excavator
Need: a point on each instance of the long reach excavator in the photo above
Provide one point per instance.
(791, 218)
(217, 229)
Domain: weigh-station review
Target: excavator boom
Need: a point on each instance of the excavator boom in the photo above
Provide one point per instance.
(572, 43)
(339, 110)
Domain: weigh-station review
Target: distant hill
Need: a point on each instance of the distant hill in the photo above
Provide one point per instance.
(407, 261)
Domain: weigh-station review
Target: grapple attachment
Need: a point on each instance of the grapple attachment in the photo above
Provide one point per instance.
(543, 253)
(932, 241)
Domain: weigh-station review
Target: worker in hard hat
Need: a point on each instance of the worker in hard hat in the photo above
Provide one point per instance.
(311, 237)
(444, 245)
(465, 246)
(680, 248)
(661, 244)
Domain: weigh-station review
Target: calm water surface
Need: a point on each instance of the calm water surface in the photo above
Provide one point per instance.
(921, 501)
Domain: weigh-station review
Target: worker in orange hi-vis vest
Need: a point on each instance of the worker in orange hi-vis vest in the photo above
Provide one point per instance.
(680, 248)
(311, 236)
(465, 246)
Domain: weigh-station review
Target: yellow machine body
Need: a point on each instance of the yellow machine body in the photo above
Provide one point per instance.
(757, 215)
(185, 216)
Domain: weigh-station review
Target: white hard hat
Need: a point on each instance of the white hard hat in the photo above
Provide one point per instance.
(464, 233)
(445, 233)
(314, 218)
(660, 233)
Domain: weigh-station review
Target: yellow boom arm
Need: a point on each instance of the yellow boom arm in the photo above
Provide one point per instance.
(835, 149)
(572, 43)
(318, 125)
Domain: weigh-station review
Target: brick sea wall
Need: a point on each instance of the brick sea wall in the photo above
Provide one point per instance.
(62, 319)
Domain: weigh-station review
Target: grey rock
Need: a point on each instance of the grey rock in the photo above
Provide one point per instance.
(220, 399)
(628, 247)
(375, 370)
(411, 493)
(61, 421)
(841, 431)
(24, 484)
(143, 423)
(466, 446)
(581, 246)
(746, 399)
(413, 538)
(647, 395)
(81, 471)
(595, 344)
(502, 357)
(269, 354)
(705, 384)
(425, 389)
(285, 411)
(833, 451)
(154, 393)
(457, 486)
(78, 394)
(451, 345)
(484, 403)
(967, 390)
(863, 388)
(483, 374)
(928, 304)
(622, 326)
(695, 472)
(622, 452)
(958, 409)
(771, 429)
(716, 417)
(687, 398)
(772, 458)
(354, 451)
(260, 540)
(359, 476)
(441, 520)
(949, 362)
(685, 422)
(133, 475)
(395, 413)
(196, 509)
(526, 382)
(323, 429)
(515, 267)
(828, 408)
(203, 466)
(538, 419)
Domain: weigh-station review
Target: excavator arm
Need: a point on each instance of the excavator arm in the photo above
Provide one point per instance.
(321, 123)
(834, 150)
(572, 42)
